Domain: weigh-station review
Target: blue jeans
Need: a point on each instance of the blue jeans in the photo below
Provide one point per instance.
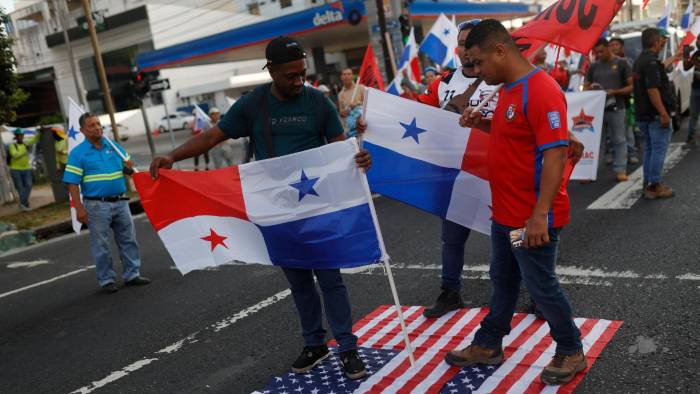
(308, 303)
(656, 140)
(694, 113)
(536, 268)
(614, 128)
(454, 238)
(114, 216)
(23, 183)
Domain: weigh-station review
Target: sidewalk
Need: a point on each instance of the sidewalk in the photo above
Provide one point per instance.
(41, 196)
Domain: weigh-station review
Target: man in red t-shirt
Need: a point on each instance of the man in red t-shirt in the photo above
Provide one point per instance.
(530, 135)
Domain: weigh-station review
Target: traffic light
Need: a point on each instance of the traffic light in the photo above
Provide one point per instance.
(141, 80)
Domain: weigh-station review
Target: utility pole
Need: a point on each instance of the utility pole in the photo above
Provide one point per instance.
(100, 67)
(389, 67)
(62, 11)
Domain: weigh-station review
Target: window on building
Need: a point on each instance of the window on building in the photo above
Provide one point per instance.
(285, 3)
(254, 8)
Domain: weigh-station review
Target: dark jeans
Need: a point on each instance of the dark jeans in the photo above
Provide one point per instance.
(694, 114)
(535, 267)
(656, 141)
(23, 183)
(308, 303)
(206, 160)
(454, 238)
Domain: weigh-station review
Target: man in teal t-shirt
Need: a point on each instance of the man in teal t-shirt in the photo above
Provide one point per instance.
(281, 118)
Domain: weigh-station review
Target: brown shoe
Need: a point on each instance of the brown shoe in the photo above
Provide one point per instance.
(563, 368)
(658, 190)
(622, 177)
(474, 354)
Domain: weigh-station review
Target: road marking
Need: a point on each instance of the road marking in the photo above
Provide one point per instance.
(27, 264)
(9, 293)
(625, 194)
(140, 216)
(566, 274)
(179, 345)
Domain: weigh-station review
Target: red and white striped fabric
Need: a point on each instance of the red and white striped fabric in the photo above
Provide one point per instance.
(528, 349)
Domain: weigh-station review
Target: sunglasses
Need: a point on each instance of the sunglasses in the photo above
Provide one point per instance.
(468, 24)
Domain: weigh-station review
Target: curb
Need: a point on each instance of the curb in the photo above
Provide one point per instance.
(66, 227)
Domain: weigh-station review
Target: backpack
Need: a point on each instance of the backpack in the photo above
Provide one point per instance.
(257, 103)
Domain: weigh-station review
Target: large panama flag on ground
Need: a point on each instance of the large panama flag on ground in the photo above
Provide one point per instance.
(423, 158)
(310, 209)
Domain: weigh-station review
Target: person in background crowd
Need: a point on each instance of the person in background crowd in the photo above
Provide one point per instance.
(527, 158)
(561, 74)
(612, 74)
(430, 74)
(222, 154)
(692, 60)
(197, 131)
(310, 120)
(408, 90)
(350, 98)
(541, 60)
(670, 61)
(654, 101)
(617, 46)
(97, 171)
(21, 167)
(61, 148)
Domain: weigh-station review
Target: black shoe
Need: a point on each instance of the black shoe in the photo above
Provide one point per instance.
(138, 281)
(447, 301)
(109, 288)
(310, 357)
(353, 366)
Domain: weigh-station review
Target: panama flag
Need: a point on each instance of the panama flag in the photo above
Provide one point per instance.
(201, 119)
(75, 138)
(440, 43)
(409, 64)
(687, 18)
(311, 209)
(423, 158)
(691, 35)
(665, 17)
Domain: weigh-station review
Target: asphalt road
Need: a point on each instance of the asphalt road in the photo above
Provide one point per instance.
(231, 329)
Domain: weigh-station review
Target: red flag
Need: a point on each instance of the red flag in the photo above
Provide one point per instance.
(572, 24)
(369, 72)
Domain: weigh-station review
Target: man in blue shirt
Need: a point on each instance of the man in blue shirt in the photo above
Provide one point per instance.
(97, 170)
(281, 118)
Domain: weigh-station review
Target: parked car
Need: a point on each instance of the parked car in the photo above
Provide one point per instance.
(123, 136)
(178, 121)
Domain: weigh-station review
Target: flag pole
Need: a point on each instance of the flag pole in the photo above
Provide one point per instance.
(385, 257)
(119, 152)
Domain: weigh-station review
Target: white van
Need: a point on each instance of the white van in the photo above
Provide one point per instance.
(632, 34)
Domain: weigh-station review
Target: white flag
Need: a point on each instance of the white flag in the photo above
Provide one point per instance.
(75, 138)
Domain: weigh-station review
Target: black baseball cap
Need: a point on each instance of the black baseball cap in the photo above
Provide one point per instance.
(283, 50)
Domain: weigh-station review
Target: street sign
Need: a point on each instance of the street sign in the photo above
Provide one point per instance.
(390, 25)
(159, 85)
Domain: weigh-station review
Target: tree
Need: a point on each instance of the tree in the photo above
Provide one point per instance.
(11, 96)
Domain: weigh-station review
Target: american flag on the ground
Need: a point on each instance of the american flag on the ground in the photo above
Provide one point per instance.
(527, 350)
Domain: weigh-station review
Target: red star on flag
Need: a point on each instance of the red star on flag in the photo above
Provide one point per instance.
(582, 118)
(215, 239)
